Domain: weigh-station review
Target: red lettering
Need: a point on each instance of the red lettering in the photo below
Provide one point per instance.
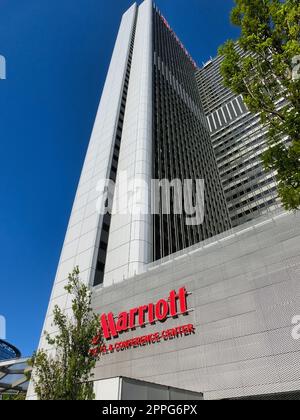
(182, 300)
(122, 324)
(108, 326)
(161, 310)
(173, 305)
(151, 317)
(96, 340)
(132, 314)
(146, 340)
(142, 312)
(191, 329)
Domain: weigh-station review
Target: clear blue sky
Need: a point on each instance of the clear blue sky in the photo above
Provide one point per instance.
(57, 54)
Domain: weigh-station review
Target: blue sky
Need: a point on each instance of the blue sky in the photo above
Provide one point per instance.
(57, 55)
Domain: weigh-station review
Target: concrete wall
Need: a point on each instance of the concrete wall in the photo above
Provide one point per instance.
(245, 291)
(127, 389)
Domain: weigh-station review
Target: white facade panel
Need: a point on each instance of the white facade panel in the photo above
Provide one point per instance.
(108, 389)
(80, 245)
(134, 250)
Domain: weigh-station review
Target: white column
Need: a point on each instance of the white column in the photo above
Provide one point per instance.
(130, 241)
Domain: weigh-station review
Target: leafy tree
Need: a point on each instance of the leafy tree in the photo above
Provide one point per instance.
(267, 74)
(20, 396)
(66, 372)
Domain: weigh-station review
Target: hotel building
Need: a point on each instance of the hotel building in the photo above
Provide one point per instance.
(161, 117)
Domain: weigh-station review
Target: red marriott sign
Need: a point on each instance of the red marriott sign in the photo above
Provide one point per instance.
(175, 305)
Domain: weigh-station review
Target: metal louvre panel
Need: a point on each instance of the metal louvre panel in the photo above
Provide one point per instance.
(238, 146)
(182, 147)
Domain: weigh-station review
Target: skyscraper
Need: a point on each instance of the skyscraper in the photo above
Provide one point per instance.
(217, 302)
(150, 125)
(161, 134)
(239, 139)
(181, 142)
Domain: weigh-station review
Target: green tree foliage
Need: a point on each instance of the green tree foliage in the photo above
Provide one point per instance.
(267, 74)
(20, 396)
(65, 373)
